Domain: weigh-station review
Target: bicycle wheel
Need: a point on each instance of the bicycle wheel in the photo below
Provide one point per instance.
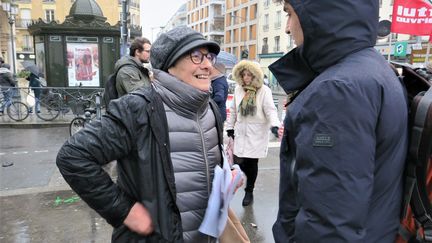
(17, 111)
(49, 109)
(76, 124)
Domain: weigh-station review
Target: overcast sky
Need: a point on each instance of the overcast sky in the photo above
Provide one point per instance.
(155, 13)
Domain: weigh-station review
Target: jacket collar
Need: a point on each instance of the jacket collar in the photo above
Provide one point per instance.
(182, 98)
(292, 71)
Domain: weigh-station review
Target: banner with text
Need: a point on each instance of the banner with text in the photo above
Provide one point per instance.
(412, 17)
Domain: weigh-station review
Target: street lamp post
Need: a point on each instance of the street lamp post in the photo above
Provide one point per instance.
(124, 28)
(245, 53)
(12, 10)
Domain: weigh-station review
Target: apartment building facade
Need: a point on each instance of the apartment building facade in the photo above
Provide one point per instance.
(207, 17)
(241, 26)
(57, 10)
(273, 42)
(179, 18)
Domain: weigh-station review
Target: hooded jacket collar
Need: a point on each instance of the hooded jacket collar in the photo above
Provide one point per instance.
(292, 71)
(254, 68)
(182, 98)
(332, 30)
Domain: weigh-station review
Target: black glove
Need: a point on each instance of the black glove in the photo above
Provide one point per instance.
(274, 130)
(230, 133)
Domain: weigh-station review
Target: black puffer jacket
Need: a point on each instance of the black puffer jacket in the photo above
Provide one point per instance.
(135, 130)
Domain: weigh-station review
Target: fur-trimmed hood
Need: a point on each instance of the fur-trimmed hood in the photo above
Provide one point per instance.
(252, 67)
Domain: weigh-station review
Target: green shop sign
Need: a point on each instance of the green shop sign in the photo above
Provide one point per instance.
(400, 49)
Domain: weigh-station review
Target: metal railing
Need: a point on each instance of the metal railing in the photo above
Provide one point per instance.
(22, 23)
(51, 103)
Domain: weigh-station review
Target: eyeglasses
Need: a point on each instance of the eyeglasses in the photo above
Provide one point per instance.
(197, 57)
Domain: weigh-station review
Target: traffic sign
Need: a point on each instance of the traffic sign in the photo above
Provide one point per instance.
(400, 49)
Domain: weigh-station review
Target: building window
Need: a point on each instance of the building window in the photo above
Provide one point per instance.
(266, 22)
(28, 43)
(253, 13)
(48, 1)
(266, 3)
(49, 15)
(25, 18)
(264, 49)
(290, 42)
(277, 44)
(278, 22)
(380, 3)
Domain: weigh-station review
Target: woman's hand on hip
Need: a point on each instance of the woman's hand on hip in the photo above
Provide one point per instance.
(138, 220)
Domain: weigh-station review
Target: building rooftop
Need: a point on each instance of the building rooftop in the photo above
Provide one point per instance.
(86, 9)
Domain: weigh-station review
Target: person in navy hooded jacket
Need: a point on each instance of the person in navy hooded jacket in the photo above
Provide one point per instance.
(345, 139)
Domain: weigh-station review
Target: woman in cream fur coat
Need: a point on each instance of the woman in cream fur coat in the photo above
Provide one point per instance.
(253, 114)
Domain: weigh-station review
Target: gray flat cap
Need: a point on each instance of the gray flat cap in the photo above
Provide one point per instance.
(170, 46)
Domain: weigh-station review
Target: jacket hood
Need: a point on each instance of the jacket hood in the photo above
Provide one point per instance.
(332, 30)
(252, 67)
(127, 60)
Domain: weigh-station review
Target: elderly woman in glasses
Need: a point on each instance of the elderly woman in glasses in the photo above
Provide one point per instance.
(166, 140)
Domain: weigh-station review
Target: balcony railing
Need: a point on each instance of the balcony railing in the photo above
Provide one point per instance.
(265, 27)
(216, 28)
(22, 23)
(277, 25)
(48, 1)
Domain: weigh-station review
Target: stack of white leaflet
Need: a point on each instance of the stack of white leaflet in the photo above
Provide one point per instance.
(224, 186)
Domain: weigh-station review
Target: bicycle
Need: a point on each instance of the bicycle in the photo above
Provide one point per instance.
(16, 110)
(51, 104)
(79, 122)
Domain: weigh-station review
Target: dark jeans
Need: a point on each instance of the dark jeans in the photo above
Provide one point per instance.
(250, 167)
(6, 99)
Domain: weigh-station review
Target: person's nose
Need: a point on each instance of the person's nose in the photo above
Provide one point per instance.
(207, 63)
(287, 27)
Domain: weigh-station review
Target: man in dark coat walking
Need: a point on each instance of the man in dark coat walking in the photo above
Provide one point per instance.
(345, 139)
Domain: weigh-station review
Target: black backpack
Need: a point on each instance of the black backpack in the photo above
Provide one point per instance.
(110, 92)
(418, 163)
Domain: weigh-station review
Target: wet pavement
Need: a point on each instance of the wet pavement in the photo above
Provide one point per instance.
(36, 205)
(57, 216)
(60, 216)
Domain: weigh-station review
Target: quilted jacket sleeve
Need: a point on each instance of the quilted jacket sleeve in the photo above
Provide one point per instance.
(81, 157)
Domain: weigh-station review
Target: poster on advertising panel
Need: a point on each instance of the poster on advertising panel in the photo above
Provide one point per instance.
(83, 64)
